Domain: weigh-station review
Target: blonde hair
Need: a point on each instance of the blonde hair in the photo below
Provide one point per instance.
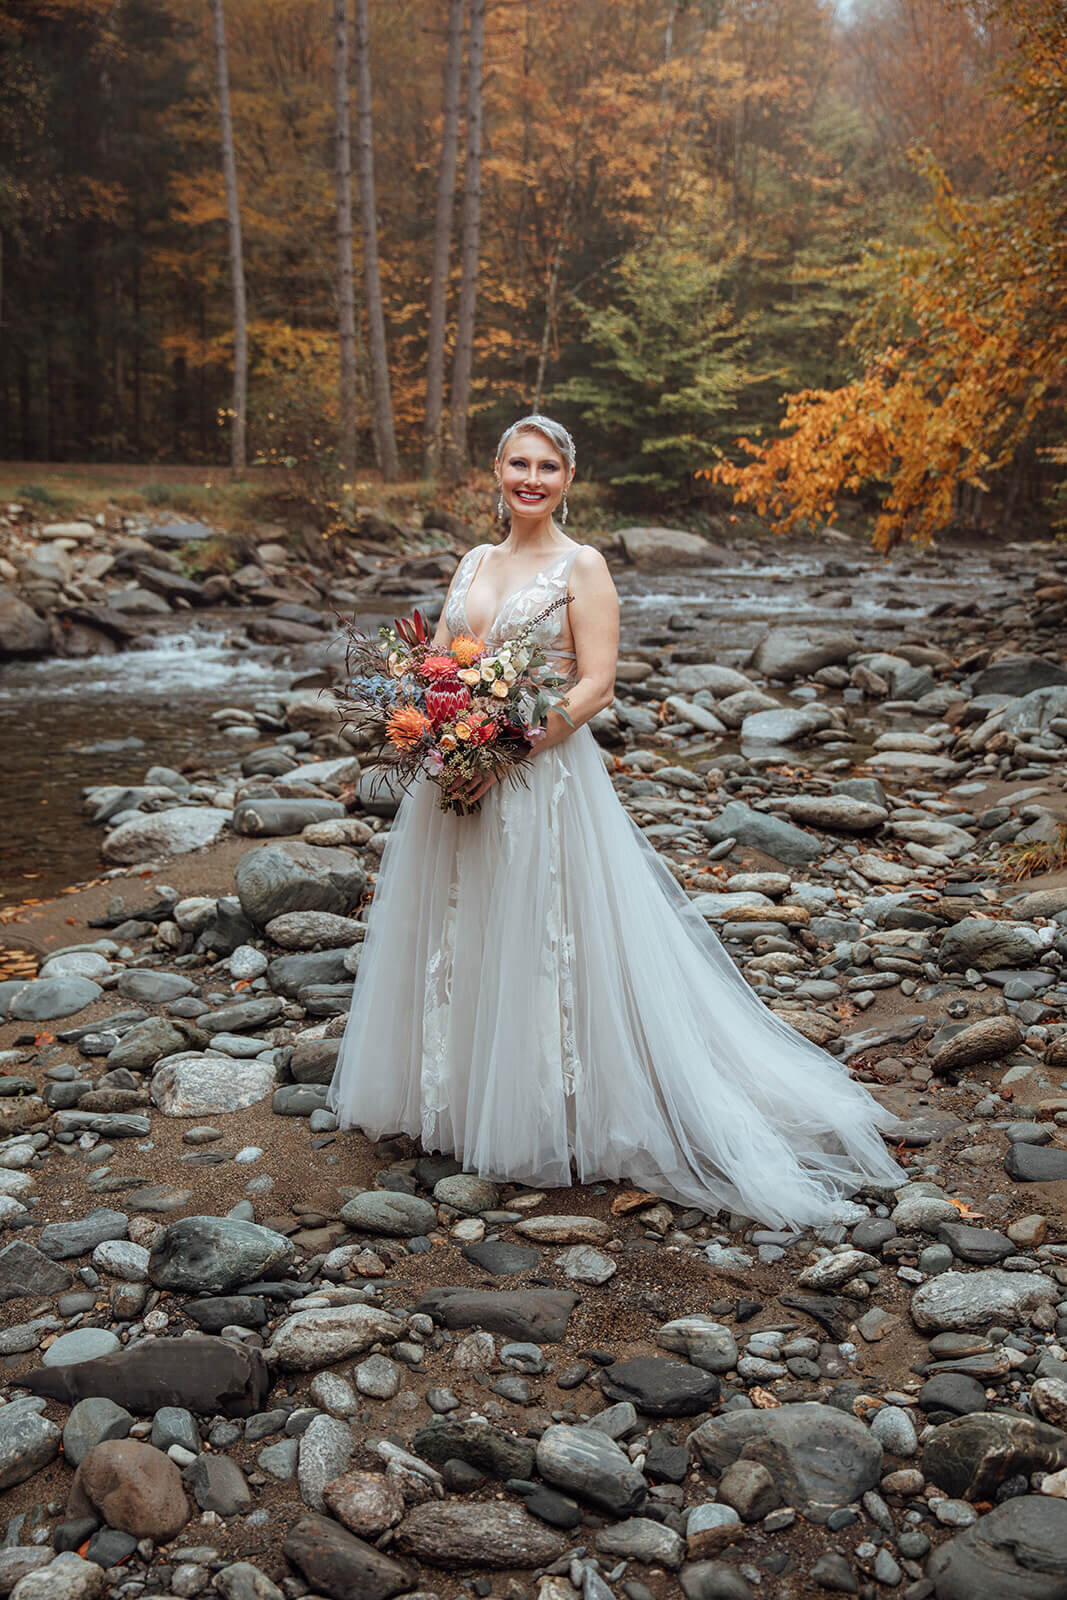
(554, 432)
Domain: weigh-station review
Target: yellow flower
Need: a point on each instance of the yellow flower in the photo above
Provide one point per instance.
(470, 675)
(447, 741)
(462, 731)
(499, 689)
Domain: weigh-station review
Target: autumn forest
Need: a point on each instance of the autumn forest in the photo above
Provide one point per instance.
(774, 253)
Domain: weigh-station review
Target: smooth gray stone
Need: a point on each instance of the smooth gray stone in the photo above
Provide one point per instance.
(268, 816)
(90, 1422)
(1018, 1551)
(61, 1240)
(212, 1255)
(152, 988)
(293, 876)
(43, 999)
(589, 1465)
(819, 1457)
(28, 1442)
(25, 1270)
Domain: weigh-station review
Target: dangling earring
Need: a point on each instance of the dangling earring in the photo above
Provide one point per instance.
(563, 509)
(501, 508)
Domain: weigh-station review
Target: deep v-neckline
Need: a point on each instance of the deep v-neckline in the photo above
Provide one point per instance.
(508, 598)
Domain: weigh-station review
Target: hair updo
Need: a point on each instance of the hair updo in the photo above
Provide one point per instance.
(554, 432)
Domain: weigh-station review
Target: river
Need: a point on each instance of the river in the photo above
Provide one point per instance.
(69, 724)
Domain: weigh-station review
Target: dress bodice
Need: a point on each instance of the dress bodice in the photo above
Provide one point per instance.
(520, 607)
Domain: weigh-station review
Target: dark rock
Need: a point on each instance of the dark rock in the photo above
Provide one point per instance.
(982, 1245)
(294, 876)
(336, 1563)
(315, 1061)
(219, 1485)
(216, 1312)
(28, 1442)
(266, 816)
(150, 1041)
(25, 1270)
(480, 1444)
(588, 1464)
(61, 1240)
(952, 1391)
(659, 1387)
(820, 1458)
(1034, 1163)
(108, 1547)
(554, 1508)
(714, 1580)
(970, 1457)
(537, 1315)
(204, 1374)
(500, 1535)
(289, 974)
(429, 1170)
(1017, 675)
(212, 1255)
(761, 830)
(500, 1258)
(1018, 1551)
(831, 1311)
(226, 929)
(244, 1017)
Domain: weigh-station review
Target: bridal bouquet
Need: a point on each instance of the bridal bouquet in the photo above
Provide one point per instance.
(457, 715)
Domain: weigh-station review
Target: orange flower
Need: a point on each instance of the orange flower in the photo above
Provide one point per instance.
(437, 669)
(406, 727)
(467, 649)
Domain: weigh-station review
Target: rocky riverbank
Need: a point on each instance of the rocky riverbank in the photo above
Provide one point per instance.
(245, 1353)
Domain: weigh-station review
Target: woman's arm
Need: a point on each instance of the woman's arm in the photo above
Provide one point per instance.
(594, 619)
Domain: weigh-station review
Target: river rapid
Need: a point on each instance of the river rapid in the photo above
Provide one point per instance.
(66, 724)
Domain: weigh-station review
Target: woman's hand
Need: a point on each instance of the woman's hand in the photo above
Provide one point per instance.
(477, 787)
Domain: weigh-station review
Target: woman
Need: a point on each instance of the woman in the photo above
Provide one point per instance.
(536, 989)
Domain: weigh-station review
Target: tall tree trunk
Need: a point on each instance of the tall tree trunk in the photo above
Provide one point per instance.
(237, 266)
(346, 300)
(472, 207)
(379, 360)
(446, 194)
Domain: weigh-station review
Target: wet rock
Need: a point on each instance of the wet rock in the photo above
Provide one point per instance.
(22, 631)
(163, 834)
(659, 1387)
(130, 1486)
(503, 1535)
(208, 1085)
(265, 816)
(586, 1463)
(481, 1444)
(1016, 1552)
(319, 1337)
(820, 1458)
(365, 1502)
(971, 1456)
(537, 1315)
(204, 1374)
(28, 1442)
(294, 876)
(401, 1216)
(975, 1299)
(337, 1564)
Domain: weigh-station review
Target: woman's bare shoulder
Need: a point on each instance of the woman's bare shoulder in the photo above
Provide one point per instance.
(589, 565)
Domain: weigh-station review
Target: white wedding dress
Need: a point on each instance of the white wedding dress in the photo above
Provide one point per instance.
(536, 989)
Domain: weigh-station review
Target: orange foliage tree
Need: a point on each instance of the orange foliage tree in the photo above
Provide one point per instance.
(963, 342)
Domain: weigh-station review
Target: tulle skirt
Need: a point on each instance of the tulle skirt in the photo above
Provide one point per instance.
(538, 996)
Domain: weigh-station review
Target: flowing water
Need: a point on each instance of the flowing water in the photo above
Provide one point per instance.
(68, 724)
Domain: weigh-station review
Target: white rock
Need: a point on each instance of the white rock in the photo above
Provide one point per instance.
(205, 1085)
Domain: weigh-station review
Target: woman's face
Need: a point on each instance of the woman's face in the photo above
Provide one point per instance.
(533, 476)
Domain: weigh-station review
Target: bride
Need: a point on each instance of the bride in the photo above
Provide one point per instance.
(537, 995)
